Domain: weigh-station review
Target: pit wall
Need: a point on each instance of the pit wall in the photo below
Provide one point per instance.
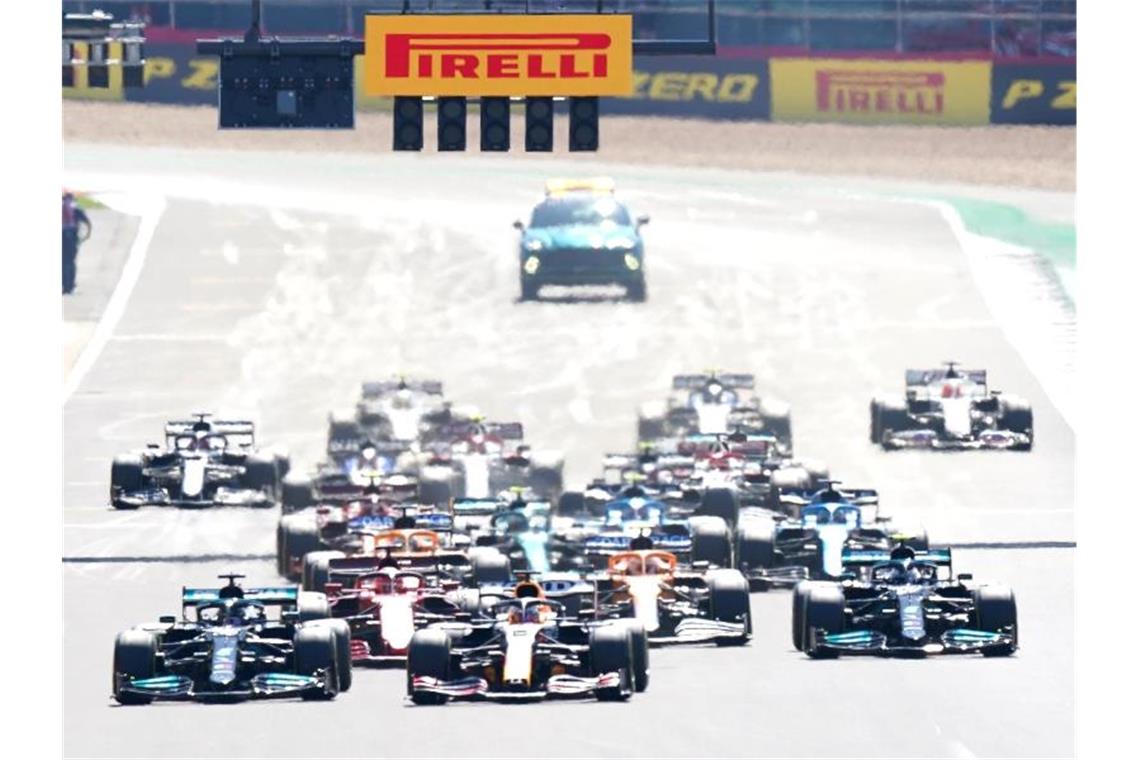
(939, 89)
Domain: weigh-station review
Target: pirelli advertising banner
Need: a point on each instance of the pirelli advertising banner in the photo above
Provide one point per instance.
(1035, 93)
(498, 55)
(862, 91)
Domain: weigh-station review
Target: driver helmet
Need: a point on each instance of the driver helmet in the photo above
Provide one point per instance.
(514, 615)
(536, 613)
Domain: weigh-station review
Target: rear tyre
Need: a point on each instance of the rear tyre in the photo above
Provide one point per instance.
(712, 543)
(315, 569)
(1017, 416)
(490, 568)
(311, 606)
(295, 538)
(296, 493)
(261, 474)
(823, 610)
(650, 428)
(995, 610)
(756, 545)
(876, 431)
(136, 654)
(429, 654)
(611, 651)
(546, 481)
(435, 491)
(893, 417)
(729, 602)
(722, 503)
(315, 652)
(571, 504)
(126, 477)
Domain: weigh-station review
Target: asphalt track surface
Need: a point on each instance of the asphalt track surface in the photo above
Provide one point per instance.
(274, 284)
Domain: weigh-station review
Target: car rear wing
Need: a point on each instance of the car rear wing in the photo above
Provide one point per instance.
(921, 377)
(736, 380)
(236, 432)
(372, 389)
(859, 558)
(475, 507)
(281, 596)
(858, 497)
(670, 542)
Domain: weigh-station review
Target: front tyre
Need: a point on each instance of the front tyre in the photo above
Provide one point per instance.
(136, 653)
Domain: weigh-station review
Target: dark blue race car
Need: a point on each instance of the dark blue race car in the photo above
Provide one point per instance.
(581, 235)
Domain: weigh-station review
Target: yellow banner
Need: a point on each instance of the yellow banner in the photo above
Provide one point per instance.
(880, 92)
(498, 55)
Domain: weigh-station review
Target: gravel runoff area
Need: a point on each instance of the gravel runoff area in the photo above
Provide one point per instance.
(1013, 156)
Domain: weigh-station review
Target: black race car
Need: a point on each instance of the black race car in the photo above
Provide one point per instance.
(233, 644)
(903, 603)
(204, 463)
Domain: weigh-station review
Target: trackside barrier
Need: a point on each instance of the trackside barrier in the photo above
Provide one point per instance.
(917, 91)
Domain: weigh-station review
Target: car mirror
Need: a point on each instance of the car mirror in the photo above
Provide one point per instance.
(518, 225)
(642, 220)
(965, 576)
(167, 619)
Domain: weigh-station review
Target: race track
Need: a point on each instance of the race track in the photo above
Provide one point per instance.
(274, 283)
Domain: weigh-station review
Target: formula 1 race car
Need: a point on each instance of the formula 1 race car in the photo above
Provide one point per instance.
(527, 648)
(903, 603)
(715, 402)
(478, 459)
(674, 606)
(777, 551)
(384, 604)
(205, 463)
(395, 410)
(951, 408)
(581, 235)
(230, 646)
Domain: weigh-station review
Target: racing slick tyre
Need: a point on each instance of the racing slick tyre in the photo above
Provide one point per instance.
(611, 651)
(823, 610)
(640, 640)
(126, 477)
(779, 425)
(343, 648)
(720, 502)
(795, 478)
(315, 569)
(635, 290)
(546, 481)
(571, 504)
(892, 417)
(799, 603)
(528, 289)
(1017, 416)
(876, 433)
(492, 567)
(261, 474)
(995, 610)
(312, 606)
(429, 654)
(296, 537)
(296, 493)
(468, 600)
(435, 490)
(756, 545)
(712, 543)
(728, 599)
(315, 651)
(650, 428)
(136, 653)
